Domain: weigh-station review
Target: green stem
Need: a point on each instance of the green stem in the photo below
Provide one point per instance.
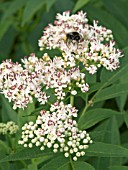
(70, 158)
(88, 104)
(83, 70)
(71, 163)
(85, 109)
(72, 100)
(8, 139)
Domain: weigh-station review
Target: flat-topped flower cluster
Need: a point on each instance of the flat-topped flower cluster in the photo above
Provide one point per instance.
(56, 129)
(20, 84)
(83, 48)
(95, 47)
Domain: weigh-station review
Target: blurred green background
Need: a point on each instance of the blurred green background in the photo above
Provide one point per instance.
(22, 21)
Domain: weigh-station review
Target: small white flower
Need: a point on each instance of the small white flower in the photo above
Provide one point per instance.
(81, 147)
(41, 139)
(38, 143)
(66, 148)
(74, 92)
(42, 148)
(85, 140)
(74, 158)
(31, 135)
(82, 135)
(82, 153)
(30, 145)
(55, 150)
(69, 143)
(66, 154)
(78, 154)
(56, 146)
(20, 142)
(25, 139)
(49, 145)
(92, 69)
(34, 140)
(75, 149)
(85, 146)
(25, 145)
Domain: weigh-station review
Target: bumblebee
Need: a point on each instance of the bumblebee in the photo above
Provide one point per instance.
(73, 37)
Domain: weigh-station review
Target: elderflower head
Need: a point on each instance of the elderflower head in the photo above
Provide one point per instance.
(8, 128)
(19, 85)
(55, 74)
(92, 45)
(58, 130)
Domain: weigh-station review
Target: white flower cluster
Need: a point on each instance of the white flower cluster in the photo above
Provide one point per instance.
(55, 74)
(18, 85)
(56, 129)
(8, 128)
(91, 45)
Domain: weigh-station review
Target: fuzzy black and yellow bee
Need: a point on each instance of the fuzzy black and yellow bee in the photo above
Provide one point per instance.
(73, 37)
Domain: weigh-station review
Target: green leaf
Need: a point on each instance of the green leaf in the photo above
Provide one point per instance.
(111, 92)
(98, 134)
(49, 4)
(82, 165)
(2, 154)
(126, 118)
(121, 100)
(118, 9)
(66, 166)
(4, 6)
(118, 168)
(112, 136)
(106, 150)
(32, 166)
(33, 6)
(4, 26)
(92, 117)
(4, 146)
(56, 163)
(79, 4)
(27, 153)
(91, 79)
(61, 163)
(7, 112)
(95, 87)
(23, 114)
(12, 8)
(5, 49)
(4, 166)
(123, 137)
